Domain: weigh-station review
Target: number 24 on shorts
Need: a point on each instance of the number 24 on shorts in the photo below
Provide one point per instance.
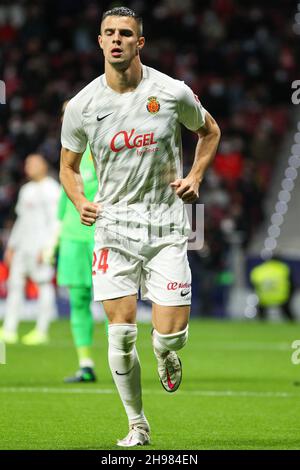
(100, 261)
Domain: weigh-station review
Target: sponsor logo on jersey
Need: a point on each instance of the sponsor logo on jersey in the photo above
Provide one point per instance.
(178, 285)
(130, 140)
(153, 105)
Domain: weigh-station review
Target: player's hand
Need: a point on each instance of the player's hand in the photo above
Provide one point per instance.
(48, 255)
(186, 188)
(8, 256)
(40, 258)
(88, 212)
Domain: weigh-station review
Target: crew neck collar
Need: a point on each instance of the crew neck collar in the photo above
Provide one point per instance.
(144, 76)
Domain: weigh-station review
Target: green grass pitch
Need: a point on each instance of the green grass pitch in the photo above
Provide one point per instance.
(237, 392)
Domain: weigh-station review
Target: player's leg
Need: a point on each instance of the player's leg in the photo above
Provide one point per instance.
(167, 282)
(82, 326)
(14, 301)
(74, 270)
(47, 307)
(125, 366)
(261, 312)
(42, 274)
(116, 275)
(170, 334)
(168, 320)
(287, 312)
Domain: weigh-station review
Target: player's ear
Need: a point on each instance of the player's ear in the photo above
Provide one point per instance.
(100, 41)
(141, 42)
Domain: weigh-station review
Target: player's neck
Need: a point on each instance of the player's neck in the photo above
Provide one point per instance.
(39, 178)
(123, 81)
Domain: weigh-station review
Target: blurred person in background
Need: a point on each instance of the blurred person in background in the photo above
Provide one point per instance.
(33, 229)
(273, 285)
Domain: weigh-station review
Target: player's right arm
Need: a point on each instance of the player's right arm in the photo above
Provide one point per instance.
(71, 180)
(74, 141)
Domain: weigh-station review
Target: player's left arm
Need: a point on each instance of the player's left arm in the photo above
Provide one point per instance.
(208, 139)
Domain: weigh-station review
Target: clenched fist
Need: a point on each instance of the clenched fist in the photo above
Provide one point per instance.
(88, 212)
(186, 188)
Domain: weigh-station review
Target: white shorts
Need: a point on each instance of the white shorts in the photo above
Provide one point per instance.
(26, 265)
(160, 269)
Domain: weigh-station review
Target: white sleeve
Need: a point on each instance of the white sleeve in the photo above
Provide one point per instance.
(190, 111)
(73, 136)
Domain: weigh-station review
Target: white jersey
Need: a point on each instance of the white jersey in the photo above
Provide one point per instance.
(135, 140)
(36, 215)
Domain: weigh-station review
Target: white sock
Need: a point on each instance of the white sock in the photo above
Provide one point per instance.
(47, 307)
(171, 342)
(123, 359)
(87, 362)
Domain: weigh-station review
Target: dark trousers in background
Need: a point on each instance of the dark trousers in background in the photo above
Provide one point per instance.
(285, 309)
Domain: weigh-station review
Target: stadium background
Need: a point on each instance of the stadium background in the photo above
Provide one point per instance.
(241, 59)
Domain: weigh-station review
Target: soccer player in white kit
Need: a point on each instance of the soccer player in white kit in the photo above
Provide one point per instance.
(32, 231)
(131, 117)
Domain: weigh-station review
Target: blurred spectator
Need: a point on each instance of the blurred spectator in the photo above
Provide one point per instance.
(31, 233)
(272, 282)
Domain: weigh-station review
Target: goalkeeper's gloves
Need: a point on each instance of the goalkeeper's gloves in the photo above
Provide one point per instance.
(49, 252)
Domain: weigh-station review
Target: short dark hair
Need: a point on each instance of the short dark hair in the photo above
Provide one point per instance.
(124, 11)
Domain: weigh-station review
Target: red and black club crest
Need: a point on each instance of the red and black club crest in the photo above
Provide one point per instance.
(153, 105)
